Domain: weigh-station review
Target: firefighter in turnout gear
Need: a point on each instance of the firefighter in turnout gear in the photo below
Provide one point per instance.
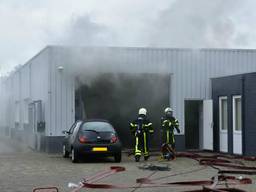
(168, 124)
(141, 128)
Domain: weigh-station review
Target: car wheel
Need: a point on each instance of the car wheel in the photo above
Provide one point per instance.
(65, 153)
(118, 157)
(74, 155)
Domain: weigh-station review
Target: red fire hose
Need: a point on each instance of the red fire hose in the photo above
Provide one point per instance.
(149, 183)
(215, 161)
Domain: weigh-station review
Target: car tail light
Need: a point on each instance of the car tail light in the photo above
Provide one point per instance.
(114, 139)
(82, 139)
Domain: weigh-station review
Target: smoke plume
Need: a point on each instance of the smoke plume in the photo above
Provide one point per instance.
(184, 23)
(179, 23)
(198, 24)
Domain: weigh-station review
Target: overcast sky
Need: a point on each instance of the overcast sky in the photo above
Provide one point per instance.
(28, 26)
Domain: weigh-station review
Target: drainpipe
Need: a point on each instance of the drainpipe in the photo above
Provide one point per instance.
(60, 69)
(243, 115)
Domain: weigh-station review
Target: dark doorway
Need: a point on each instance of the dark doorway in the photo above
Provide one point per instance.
(193, 123)
(117, 98)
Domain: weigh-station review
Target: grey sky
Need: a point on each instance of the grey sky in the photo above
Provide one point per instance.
(28, 26)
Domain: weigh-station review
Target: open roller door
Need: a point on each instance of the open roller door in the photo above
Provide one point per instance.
(117, 98)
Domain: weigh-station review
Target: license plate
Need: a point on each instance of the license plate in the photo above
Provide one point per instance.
(99, 149)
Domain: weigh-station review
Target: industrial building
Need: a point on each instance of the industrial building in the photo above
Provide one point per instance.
(61, 84)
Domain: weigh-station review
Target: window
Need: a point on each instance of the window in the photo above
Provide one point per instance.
(74, 127)
(71, 130)
(223, 113)
(237, 113)
(78, 124)
(97, 126)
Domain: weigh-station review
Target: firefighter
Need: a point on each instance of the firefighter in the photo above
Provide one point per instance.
(168, 124)
(141, 128)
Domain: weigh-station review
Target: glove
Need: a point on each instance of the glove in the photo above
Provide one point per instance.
(178, 130)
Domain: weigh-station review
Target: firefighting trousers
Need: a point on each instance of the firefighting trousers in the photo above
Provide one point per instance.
(168, 138)
(141, 145)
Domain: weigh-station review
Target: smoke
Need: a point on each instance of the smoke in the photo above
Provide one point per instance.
(10, 147)
(4, 98)
(183, 23)
(198, 24)
(117, 98)
(168, 23)
(179, 23)
(83, 31)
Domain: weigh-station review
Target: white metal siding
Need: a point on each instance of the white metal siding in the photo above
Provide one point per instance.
(191, 69)
(62, 88)
(28, 82)
(190, 72)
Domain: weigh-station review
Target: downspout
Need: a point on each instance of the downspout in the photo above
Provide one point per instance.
(49, 131)
(243, 115)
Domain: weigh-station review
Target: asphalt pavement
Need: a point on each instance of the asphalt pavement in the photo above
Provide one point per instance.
(21, 170)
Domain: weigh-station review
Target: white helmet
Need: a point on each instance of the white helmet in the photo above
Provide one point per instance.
(142, 111)
(168, 109)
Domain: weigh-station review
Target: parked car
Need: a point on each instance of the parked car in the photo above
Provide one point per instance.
(91, 137)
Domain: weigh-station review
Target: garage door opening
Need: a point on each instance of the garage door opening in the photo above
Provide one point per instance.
(117, 98)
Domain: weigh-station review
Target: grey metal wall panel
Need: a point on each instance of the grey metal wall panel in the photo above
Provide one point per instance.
(191, 72)
(62, 93)
(25, 82)
(233, 85)
(39, 85)
(249, 114)
(28, 83)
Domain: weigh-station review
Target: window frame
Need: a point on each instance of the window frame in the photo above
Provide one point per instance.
(71, 130)
(220, 114)
(75, 127)
(112, 128)
(234, 97)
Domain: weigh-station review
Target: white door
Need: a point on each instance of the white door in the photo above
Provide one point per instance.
(237, 124)
(223, 123)
(207, 125)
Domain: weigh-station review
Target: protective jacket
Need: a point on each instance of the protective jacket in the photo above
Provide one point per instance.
(168, 124)
(141, 128)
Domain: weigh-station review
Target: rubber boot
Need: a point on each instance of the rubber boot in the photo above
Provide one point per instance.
(146, 158)
(137, 158)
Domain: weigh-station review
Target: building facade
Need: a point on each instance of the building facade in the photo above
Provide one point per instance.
(42, 93)
(234, 113)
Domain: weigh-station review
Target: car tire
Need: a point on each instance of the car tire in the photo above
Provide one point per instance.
(118, 157)
(74, 156)
(65, 153)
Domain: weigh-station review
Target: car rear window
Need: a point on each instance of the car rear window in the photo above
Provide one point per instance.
(98, 126)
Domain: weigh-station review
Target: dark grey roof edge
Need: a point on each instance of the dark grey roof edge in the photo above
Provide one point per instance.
(234, 75)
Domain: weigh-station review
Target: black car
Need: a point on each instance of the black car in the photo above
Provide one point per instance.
(91, 137)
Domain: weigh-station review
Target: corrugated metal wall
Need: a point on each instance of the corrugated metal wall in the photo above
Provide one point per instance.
(62, 94)
(190, 69)
(29, 83)
(190, 72)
